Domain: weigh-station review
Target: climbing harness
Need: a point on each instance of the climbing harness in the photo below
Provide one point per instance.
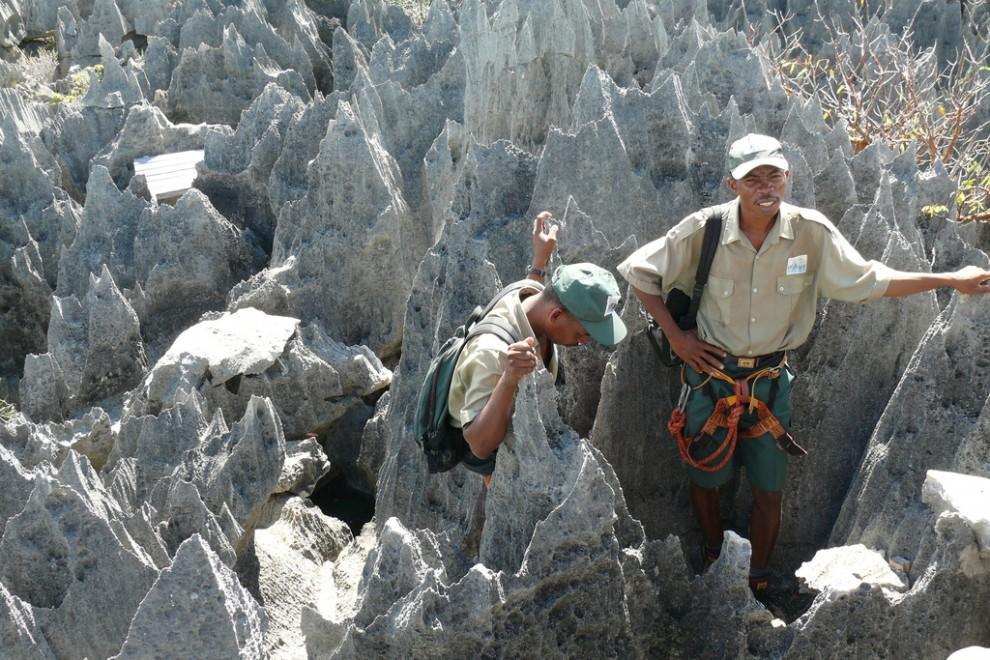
(727, 413)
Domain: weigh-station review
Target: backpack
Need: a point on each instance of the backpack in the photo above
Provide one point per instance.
(443, 443)
(684, 308)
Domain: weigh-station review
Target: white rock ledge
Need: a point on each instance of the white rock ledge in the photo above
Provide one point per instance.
(844, 569)
(963, 494)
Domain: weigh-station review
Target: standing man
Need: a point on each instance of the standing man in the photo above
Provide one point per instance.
(773, 262)
(577, 304)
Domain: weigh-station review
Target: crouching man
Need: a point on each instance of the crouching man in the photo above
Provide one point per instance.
(575, 306)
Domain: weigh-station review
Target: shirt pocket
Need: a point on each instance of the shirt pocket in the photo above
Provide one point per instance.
(790, 288)
(719, 298)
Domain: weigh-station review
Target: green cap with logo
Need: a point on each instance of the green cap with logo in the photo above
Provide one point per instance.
(590, 294)
(753, 150)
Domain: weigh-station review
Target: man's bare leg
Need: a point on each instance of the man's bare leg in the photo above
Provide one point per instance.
(764, 524)
(706, 509)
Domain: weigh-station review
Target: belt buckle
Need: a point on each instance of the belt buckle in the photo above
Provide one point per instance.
(746, 363)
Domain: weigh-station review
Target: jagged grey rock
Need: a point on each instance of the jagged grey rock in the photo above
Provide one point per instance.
(155, 444)
(244, 343)
(181, 513)
(104, 23)
(172, 264)
(522, 74)
(311, 379)
(939, 396)
(69, 551)
(305, 464)
(185, 260)
(29, 117)
(409, 118)
(324, 620)
(196, 593)
(12, 29)
(36, 219)
(105, 239)
(160, 58)
(115, 87)
(236, 168)
(368, 228)
(96, 352)
(18, 483)
(20, 633)
(239, 469)
(300, 145)
(90, 435)
(215, 84)
(84, 132)
(370, 20)
(931, 619)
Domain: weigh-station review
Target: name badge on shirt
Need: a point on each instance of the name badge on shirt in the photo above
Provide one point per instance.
(797, 265)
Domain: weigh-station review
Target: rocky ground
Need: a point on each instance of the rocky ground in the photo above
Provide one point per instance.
(191, 378)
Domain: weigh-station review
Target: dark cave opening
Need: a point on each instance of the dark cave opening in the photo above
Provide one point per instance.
(337, 498)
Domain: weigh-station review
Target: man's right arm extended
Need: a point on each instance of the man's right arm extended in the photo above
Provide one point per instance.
(486, 431)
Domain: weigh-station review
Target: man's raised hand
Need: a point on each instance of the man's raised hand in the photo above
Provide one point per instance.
(521, 359)
(544, 239)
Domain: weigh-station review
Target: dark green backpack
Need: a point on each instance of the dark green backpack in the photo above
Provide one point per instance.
(443, 443)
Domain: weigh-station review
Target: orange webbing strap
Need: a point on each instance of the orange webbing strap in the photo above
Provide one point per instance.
(768, 423)
(727, 413)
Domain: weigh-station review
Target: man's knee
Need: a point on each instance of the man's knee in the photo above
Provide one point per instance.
(767, 498)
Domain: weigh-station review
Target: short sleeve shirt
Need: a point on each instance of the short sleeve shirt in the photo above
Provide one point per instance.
(757, 303)
(483, 359)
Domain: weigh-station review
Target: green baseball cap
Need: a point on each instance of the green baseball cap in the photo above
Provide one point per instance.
(590, 294)
(753, 150)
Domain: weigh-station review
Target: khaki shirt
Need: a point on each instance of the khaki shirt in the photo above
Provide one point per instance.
(758, 302)
(483, 359)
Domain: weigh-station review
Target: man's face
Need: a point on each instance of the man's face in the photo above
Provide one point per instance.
(760, 191)
(565, 330)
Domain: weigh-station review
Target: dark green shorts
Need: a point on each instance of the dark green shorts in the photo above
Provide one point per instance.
(765, 462)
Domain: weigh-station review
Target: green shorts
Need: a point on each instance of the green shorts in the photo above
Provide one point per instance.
(765, 462)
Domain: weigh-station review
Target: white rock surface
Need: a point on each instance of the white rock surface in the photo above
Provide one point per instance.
(971, 653)
(291, 552)
(845, 569)
(963, 494)
(305, 463)
(245, 342)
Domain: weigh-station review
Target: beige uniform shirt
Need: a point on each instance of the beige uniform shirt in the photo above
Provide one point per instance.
(758, 302)
(483, 359)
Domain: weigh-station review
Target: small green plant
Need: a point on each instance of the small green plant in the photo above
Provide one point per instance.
(78, 85)
(7, 411)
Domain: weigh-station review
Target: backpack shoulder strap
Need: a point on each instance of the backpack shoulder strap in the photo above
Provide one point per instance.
(713, 230)
(493, 326)
(481, 312)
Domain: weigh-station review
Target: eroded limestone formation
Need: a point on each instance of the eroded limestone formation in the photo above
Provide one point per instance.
(190, 374)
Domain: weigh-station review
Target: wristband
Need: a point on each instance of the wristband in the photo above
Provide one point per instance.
(533, 270)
